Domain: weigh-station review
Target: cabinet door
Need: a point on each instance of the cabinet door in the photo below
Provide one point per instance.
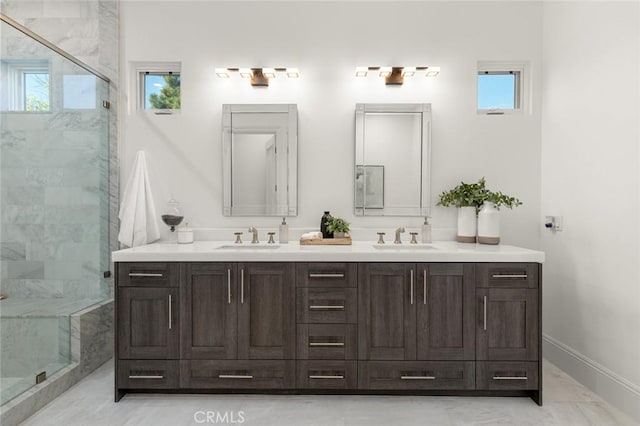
(446, 311)
(507, 327)
(266, 311)
(387, 311)
(209, 321)
(147, 323)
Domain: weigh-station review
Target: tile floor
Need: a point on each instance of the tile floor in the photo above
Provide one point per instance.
(90, 402)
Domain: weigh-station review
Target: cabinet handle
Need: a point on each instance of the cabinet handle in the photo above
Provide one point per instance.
(417, 377)
(411, 287)
(242, 286)
(326, 344)
(424, 285)
(323, 275)
(170, 319)
(229, 286)
(484, 313)
(509, 276)
(234, 376)
(318, 307)
(147, 377)
(338, 377)
(145, 274)
(509, 377)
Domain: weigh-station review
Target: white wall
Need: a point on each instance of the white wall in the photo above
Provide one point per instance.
(590, 164)
(327, 41)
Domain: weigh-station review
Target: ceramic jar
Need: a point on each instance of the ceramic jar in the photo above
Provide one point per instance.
(466, 225)
(489, 224)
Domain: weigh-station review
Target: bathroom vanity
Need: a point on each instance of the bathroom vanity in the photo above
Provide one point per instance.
(440, 319)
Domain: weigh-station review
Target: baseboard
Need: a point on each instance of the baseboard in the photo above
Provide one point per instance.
(610, 386)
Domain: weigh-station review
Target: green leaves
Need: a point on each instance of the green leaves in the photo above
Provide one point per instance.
(169, 97)
(474, 195)
(335, 224)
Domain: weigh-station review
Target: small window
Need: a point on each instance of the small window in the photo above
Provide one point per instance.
(28, 86)
(161, 90)
(500, 88)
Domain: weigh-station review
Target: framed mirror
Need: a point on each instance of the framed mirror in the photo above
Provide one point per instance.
(392, 159)
(259, 159)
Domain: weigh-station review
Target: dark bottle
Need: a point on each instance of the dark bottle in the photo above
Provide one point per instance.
(323, 226)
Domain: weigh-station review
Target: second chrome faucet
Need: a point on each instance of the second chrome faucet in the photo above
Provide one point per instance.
(254, 235)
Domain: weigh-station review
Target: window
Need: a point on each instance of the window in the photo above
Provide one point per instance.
(28, 86)
(501, 88)
(158, 86)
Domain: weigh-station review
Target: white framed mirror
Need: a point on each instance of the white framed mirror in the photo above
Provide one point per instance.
(259, 159)
(392, 160)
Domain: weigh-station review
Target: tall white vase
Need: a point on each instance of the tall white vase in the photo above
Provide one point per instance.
(466, 225)
(489, 224)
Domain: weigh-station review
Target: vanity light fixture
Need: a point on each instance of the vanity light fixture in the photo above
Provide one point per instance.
(258, 76)
(396, 75)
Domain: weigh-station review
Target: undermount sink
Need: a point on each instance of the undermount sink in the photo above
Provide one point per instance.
(249, 247)
(403, 246)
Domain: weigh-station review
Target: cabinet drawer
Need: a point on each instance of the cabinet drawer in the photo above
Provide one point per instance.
(326, 274)
(327, 375)
(501, 375)
(148, 374)
(148, 274)
(327, 305)
(416, 375)
(507, 275)
(327, 341)
(254, 374)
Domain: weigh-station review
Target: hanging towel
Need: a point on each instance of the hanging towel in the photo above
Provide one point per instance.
(138, 223)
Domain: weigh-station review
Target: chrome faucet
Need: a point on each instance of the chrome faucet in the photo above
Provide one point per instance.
(254, 233)
(398, 240)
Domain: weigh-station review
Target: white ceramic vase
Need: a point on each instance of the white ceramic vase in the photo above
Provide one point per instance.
(466, 225)
(489, 224)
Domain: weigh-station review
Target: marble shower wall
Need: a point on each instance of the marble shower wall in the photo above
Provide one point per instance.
(54, 215)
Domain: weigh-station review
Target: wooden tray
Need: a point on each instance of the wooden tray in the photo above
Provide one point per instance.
(327, 242)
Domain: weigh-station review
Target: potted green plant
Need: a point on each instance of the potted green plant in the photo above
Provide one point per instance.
(339, 227)
(467, 198)
(475, 201)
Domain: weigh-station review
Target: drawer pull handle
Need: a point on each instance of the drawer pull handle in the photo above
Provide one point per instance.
(145, 274)
(484, 313)
(229, 286)
(317, 307)
(242, 285)
(326, 344)
(147, 377)
(170, 309)
(417, 377)
(234, 376)
(322, 275)
(509, 377)
(412, 286)
(337, 377)
(509, 276)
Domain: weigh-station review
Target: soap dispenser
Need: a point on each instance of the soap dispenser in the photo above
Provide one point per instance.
(426, 231)
(283, 236)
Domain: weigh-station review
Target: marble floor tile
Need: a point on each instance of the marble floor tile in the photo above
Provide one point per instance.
(566, 403)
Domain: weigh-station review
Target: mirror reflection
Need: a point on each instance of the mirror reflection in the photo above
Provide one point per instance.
(259, 160)
(392, 159)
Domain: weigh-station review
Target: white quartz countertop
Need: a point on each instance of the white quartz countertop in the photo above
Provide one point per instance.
(360, 251)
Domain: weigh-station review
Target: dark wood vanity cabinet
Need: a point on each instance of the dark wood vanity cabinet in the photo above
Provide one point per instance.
(455, 328)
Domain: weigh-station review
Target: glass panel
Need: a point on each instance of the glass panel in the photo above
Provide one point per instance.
(54, 206)
(497, 91)
(162, 91)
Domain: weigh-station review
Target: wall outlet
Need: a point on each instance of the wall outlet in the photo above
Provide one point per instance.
(553, 223)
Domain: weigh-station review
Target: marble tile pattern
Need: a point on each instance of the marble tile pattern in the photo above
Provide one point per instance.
(566, 402)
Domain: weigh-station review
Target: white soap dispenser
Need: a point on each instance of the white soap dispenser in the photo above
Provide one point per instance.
(426, 231)
(283, 235)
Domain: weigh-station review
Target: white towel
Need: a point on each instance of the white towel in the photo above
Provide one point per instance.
(311, 236)
(138, 222)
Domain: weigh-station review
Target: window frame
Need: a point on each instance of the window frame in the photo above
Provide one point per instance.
(16, 71)
(521, 83)
(138, 72)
